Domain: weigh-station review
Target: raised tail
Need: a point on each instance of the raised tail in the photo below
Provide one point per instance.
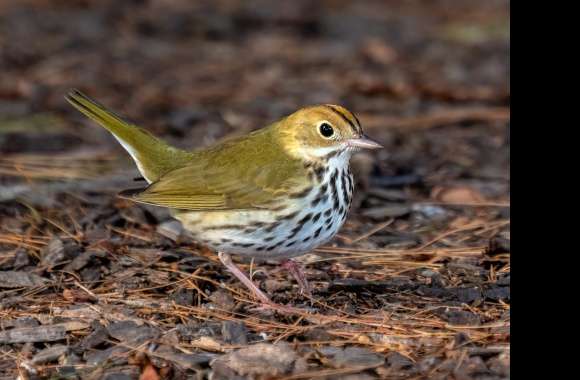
(152, 156)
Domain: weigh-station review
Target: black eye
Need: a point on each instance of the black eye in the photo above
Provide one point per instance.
(326, 130)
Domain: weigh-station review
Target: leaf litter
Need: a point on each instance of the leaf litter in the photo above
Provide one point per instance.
(416, 285)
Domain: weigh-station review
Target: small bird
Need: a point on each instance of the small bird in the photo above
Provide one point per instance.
(276, 193)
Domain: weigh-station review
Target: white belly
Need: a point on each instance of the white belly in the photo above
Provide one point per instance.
(311, 221)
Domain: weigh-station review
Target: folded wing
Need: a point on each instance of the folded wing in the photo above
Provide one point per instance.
(251, 172)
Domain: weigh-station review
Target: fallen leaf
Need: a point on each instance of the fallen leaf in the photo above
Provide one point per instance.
(208, 344)
(149, 373)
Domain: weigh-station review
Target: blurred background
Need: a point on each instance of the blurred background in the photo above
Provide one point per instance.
(195, 72)
(429, 79)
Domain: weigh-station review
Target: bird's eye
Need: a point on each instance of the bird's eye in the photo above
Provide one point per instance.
(326, 130)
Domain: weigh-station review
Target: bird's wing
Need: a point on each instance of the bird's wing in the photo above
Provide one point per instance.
(239, 177)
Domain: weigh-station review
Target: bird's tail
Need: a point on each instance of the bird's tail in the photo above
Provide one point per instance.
(152, 156)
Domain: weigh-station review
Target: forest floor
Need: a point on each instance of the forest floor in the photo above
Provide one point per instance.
(416, 284)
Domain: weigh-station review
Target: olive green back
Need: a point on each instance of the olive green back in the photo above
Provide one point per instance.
(248, 172)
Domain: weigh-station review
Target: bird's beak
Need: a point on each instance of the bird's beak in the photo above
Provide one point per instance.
(364, 143)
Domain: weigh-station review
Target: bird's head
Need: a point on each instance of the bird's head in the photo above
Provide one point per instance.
(322, 132)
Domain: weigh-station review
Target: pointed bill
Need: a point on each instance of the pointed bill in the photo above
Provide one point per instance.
(363, 142)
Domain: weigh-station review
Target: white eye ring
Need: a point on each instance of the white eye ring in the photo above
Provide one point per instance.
(326, 129)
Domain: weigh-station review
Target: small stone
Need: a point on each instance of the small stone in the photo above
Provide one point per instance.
(429, 273)
(431, 212)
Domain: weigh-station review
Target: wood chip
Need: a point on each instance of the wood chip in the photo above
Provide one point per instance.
(18, 279)
(49, 333)
(49, 354)
(208, 344)
(260, 359)
(53, 253)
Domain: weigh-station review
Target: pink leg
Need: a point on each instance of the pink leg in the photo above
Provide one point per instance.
(297, 272)
(227, 261)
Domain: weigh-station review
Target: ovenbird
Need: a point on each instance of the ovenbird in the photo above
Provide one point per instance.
(276, 193)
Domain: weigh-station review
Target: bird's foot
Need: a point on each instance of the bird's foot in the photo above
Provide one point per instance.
(233, 268)
(266, 303)
(297, 271)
